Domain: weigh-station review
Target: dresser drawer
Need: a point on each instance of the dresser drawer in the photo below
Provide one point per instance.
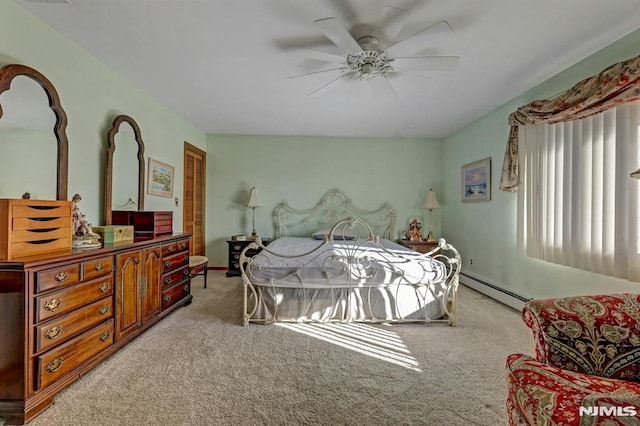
(31, 248)
(56, 331)
(66, 300)
(97, 268)
(175, 277)
(58, 277)
(35, 235)
(172, 262)
(175, 247)
(174, 294)
(36, 209)
(23, 223)
(57, 362)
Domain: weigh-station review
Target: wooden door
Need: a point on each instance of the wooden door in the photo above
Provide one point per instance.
(151, 283)
(128, 301)
(195, 166)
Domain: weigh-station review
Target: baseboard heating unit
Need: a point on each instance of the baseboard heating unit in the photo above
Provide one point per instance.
(507, 297)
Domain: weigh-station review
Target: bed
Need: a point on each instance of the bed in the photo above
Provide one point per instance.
(336, 262)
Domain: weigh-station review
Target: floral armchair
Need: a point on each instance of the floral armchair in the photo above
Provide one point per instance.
(587, 355)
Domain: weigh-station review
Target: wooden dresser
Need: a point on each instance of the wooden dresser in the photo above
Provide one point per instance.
(61, 314)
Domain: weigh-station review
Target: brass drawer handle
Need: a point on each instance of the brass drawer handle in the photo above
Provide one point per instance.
(104, 287)
(236, 256)
(167, 264)
(53, 332)
(171, 249)
(183, 246)
(236, 265)
(104, 309)
(186, 259)
(185, 288)
(167, 298)
(104, 336)
(167, 280)
(186, 272)
(55, 365)
(236, 248)
(53, 304)
(61, 277)
(99, 266)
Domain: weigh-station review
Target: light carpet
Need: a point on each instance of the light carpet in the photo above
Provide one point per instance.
(199, 366)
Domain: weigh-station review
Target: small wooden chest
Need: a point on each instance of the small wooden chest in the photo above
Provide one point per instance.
(151, 223)
(114, 233)
(32, 227)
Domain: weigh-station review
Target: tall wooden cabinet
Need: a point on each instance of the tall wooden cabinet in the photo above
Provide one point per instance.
(60, 315)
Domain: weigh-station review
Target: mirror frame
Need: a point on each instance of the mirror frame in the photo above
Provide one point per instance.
(11, 71)
(108, 169)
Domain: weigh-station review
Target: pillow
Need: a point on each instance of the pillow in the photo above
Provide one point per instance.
(338, 234)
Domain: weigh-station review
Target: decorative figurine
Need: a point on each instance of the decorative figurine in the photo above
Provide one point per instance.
(415, 230)
(83, 235)
(26, 196)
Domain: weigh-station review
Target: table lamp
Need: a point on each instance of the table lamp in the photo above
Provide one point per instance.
(430, 204)
(253, 203)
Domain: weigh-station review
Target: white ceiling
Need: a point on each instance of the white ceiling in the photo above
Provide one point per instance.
(222, 64)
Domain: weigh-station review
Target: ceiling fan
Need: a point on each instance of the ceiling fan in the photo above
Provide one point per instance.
(380, 52)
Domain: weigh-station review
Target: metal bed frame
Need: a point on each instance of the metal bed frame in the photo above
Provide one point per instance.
(353, 263)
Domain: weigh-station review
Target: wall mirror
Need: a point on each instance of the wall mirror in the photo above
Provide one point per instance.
(124, 169)
(33, 138)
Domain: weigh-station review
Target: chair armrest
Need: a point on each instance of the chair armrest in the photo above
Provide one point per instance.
(598, 335)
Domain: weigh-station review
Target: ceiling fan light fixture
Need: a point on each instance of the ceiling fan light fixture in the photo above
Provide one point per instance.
(369, 64)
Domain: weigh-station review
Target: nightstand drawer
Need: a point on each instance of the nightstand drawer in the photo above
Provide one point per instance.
(235, 249)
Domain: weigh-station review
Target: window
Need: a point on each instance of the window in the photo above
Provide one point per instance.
(578, 205)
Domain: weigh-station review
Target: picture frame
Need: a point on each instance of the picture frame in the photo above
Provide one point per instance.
(476, 181)
(160, 179)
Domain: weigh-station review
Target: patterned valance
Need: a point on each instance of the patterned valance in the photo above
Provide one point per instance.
(617, 84)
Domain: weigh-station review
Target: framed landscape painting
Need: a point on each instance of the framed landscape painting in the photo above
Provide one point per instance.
(476, 181)
(160, 180)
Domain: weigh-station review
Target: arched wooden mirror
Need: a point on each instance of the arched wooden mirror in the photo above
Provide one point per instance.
(124, 169)
(26, 137)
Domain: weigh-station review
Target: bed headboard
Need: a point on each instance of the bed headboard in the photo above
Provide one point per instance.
(333, 207)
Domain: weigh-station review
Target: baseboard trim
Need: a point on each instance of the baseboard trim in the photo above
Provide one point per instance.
(502, 295)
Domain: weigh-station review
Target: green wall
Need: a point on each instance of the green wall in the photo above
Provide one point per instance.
(300, 170)
(92, 95)
(486, 232)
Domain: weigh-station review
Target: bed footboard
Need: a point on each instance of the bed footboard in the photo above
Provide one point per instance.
(361, 279)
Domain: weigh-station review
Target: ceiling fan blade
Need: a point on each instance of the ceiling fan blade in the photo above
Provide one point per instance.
(417, 41)
(390, 22)
(338, 34)
(319, 55)
(322, 89)
(428, 63)
(390, 86)
(315, 72)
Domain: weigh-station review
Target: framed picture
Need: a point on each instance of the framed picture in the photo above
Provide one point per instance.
(160, 179)
(476, 181)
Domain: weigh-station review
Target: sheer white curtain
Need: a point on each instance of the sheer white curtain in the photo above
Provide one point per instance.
(577, 205)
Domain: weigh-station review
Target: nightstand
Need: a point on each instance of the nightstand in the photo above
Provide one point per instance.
(419, 246)
(235, 248)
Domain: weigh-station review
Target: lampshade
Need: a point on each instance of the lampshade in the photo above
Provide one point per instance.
(253, 198)
(431, 202)
(636, 174)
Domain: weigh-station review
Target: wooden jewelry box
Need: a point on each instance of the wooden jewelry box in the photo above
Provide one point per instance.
(32, 227)
(114, 233)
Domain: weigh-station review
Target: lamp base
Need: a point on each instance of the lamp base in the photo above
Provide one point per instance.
(431, 238)
(253, 236)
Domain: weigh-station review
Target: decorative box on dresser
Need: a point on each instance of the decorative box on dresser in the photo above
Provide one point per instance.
(63, 313)
(235, 248)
